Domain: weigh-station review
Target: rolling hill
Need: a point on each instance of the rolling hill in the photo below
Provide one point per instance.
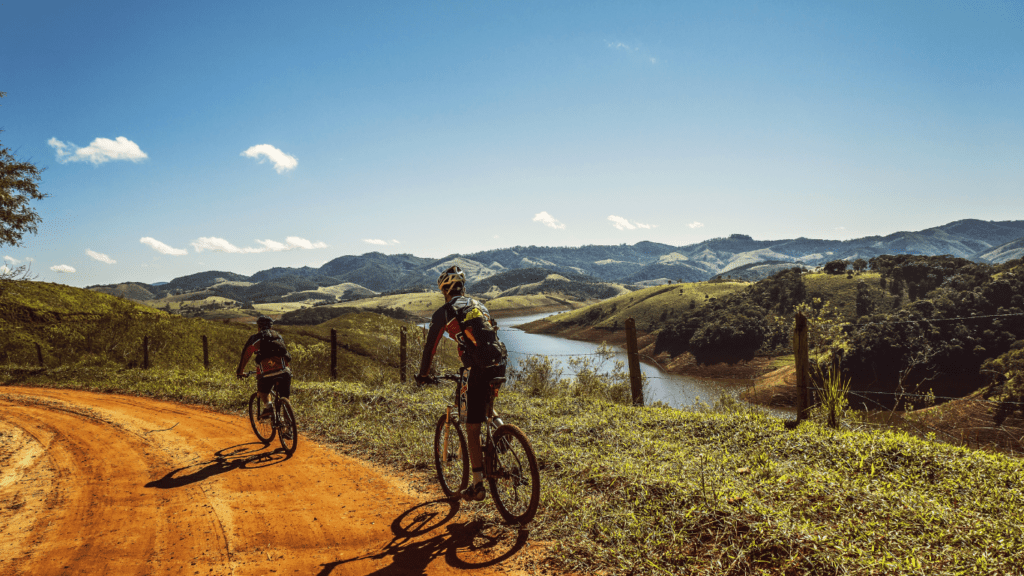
(641, 264)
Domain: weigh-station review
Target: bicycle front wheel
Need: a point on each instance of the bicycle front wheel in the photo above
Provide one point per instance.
(289, 433)
(264, 428)
(451, 457)
(515, 478)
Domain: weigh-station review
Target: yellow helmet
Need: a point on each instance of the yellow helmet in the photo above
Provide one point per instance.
(451, 277)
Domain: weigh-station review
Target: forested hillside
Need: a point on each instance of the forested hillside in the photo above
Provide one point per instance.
(915, 324)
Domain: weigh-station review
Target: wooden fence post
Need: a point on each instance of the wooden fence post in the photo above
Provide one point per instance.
(802, 364)
(402, 357)
(39, 354)
(206, 353)
(633, 355)
(334, 354)
(145, 352)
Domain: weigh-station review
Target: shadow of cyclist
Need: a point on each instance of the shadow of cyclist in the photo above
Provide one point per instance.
(241, 456)
(464, 545)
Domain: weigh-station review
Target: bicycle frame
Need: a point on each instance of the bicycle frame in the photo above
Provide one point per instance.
(509, 463)
(492, 421)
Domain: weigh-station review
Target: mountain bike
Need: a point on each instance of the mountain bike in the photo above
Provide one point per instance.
(510, 465)
(280, 423)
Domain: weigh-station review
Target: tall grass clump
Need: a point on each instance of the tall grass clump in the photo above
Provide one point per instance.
(596, 376)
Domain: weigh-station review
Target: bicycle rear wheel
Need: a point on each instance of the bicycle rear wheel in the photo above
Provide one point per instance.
(289, 433)
(264, 429)
(515, 481)
(451, 457)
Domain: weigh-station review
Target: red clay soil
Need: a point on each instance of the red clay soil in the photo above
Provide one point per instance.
(776, 388)
(105, 484)
(971, 421)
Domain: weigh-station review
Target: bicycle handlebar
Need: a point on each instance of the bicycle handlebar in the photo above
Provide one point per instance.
(449, 376)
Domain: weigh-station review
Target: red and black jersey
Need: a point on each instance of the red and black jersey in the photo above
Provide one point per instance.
(271, 356)
(446, 319)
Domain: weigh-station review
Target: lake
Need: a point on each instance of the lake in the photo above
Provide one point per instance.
(675, 390)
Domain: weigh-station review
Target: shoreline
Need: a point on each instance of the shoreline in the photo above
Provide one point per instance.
(683, 365)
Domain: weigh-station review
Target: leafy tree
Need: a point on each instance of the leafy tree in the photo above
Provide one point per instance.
(1007, 373)
(860, 264)
(780, 293)
(836, 267)
(865, 304)
(19, 184)
(733, 329)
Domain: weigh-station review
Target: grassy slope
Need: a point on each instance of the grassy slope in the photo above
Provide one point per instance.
(77, 326)
(842, 291)
(637, 491)
(650, 307)
(655, 490)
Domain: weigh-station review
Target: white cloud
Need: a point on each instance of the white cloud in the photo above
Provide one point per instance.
(161, 247)
(290, 243)
(273, 245)
(621, 46)
(695, 225)
(63, 269)
(375, 241)
(623, 224)
(633, 50)
(547, 220)
(12, 260)
(101, 257)
(282, 162)
(221, 245)
(101, 150)
(30, 259)
(296, 242)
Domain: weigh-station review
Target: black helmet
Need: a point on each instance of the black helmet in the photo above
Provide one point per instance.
(264, 323)
(451, 277)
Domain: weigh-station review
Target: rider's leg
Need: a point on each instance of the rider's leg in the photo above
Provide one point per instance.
(475, 456)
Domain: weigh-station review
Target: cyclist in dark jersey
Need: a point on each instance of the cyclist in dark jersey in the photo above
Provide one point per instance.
(480, 351)
(272, 360)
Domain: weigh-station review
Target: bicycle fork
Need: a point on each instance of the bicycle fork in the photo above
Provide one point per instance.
(447, 431)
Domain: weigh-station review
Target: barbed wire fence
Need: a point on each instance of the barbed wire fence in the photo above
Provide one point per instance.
(968, 421)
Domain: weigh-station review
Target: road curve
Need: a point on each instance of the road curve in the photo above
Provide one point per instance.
(106, 484)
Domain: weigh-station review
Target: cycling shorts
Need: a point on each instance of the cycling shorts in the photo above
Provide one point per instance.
(282, 381)
(479, 392)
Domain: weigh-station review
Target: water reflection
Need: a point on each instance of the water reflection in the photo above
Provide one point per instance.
(672, 389)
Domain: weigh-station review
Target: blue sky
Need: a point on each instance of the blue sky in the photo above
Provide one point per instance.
(191, 136)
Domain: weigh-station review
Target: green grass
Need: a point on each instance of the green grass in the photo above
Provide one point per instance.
(651, 308)
(625, 490)
(86, 328)
(841, 291)
(661, 491)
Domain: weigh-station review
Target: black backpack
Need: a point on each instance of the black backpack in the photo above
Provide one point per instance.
(478, 335)
(271, 346)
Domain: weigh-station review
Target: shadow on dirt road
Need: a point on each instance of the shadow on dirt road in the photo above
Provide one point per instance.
(463, 545)
(239, 457)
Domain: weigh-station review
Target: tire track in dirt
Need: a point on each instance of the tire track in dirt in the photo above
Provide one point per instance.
(105, 484)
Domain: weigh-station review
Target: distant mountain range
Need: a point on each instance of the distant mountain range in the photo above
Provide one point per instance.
(643, 263)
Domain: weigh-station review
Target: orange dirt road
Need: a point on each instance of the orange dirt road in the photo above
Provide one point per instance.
(105, 484)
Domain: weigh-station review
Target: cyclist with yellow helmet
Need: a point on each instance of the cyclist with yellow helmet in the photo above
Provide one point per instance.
(467, 321)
